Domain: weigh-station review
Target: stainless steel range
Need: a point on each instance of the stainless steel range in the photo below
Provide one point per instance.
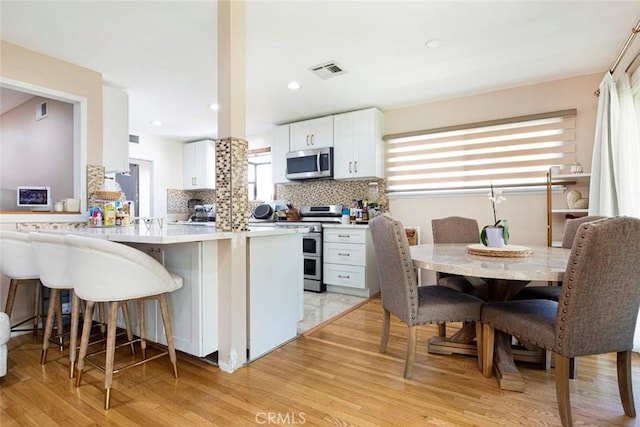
(311, 220)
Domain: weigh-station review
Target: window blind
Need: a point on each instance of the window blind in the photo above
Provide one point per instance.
(509, 152)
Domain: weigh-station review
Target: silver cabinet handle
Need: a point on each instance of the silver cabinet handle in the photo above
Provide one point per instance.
(355, 168)
(307, 139)
(340, 276)
(346, 236)
(311, 139)
(339, 254)
(350, 167)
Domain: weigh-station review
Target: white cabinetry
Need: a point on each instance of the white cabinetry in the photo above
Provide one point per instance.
(349, 261)
(194, 307)
(199, 165)
(314, 133)
(115, 130)
(279, 138)
(358, 146)
(557, 210)
(276, 297)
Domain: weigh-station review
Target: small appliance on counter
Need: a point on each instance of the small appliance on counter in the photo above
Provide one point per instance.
(204, 213)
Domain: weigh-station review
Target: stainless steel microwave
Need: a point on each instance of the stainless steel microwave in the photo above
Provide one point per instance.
(308, 164)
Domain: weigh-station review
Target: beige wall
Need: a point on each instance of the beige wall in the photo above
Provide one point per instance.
(29, 67)
(525, 211)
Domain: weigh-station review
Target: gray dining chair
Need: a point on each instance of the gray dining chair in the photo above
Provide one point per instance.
(457, 229)
(596, 313)
(552, 291)
(414, 305)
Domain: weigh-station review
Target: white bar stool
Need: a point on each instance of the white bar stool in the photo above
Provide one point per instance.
(16, 262)
(104, 271)
(51, 258)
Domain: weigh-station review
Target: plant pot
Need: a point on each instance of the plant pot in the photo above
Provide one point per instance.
(495, 238)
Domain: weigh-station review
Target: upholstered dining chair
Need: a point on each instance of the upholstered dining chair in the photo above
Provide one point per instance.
(105, 271)
(414, 305)
(457, 229)
(596, 313)
(552, 291)
(16, 262)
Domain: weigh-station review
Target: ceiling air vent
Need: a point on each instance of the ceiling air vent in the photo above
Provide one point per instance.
(327, 70)
(134, 138)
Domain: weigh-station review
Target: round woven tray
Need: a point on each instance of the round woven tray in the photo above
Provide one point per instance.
(509, 251)
(108, 195)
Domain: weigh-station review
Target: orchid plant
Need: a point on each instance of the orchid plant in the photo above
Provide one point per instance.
(496, 197)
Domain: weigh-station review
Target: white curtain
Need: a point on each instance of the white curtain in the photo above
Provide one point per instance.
(627, 150)
(615, 167)
(602, 189)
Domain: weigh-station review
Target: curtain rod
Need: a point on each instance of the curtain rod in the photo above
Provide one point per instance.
(634, 32)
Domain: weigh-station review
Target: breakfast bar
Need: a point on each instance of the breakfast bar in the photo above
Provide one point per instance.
(221, 308)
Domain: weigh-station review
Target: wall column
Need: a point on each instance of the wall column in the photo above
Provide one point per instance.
(231, 187)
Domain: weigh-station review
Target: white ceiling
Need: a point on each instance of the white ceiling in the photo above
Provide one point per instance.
(163, 53)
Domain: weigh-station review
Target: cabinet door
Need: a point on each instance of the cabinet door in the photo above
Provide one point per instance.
(189, 166)
(205, 164)
(115, 130)
(351, 276)
(314, 133)
(368, 147)
(199, 165)
(344, 253)
(339, 235)
(279, 147)
(343, 142)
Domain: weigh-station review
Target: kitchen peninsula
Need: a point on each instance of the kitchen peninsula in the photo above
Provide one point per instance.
(240, 297)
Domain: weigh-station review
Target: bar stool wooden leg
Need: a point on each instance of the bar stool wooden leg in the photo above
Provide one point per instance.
(11, 296)
(143, 328)
(53, 300)
(166, 320)
(59, 322)
(37, 295)
(101, 310)
(73, 334)
(127, 321)
(84, 341)
(110, 352)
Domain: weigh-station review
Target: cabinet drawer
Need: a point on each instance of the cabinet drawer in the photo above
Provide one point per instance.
(351, 276)
(344, 236)
(344, 253)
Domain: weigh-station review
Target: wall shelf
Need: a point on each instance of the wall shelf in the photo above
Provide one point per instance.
(554, 178)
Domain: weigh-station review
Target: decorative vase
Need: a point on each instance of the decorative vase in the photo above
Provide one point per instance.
(495, 238)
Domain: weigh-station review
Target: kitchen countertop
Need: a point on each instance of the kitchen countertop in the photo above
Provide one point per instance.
(356, 225)
(171, 233)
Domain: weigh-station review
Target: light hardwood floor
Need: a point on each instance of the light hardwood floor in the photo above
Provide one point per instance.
(332, 376)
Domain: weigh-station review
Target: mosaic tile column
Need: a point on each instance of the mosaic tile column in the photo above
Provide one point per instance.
(232, 201)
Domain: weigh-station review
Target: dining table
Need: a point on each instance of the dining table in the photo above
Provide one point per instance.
(501, 273)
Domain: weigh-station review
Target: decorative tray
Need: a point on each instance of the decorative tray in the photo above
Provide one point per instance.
(509, 251)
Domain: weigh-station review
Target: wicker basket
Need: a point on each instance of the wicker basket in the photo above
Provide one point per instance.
(108, 195)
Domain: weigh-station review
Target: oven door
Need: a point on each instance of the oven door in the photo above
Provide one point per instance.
(312, 244)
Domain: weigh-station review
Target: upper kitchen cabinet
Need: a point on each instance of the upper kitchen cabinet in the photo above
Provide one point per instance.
(358, 147)
(199, 165)
(279, 138)
(314, 133)
(115, 129)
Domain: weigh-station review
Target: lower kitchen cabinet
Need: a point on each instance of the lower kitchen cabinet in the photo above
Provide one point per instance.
(349, 265)
(194, 307)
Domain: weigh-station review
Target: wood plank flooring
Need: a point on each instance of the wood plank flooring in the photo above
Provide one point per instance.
(332, 376)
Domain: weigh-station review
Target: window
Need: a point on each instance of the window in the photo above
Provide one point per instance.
(259, 178)
(509, 152)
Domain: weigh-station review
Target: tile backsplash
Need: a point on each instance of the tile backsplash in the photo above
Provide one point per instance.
(177, 200)
(330, 192)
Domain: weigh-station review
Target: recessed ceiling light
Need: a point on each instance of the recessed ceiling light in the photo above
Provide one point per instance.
(433, 43)
(156, 123)
(294, 85)
(214, 107)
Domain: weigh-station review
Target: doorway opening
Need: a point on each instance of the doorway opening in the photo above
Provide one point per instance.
(136, 185)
